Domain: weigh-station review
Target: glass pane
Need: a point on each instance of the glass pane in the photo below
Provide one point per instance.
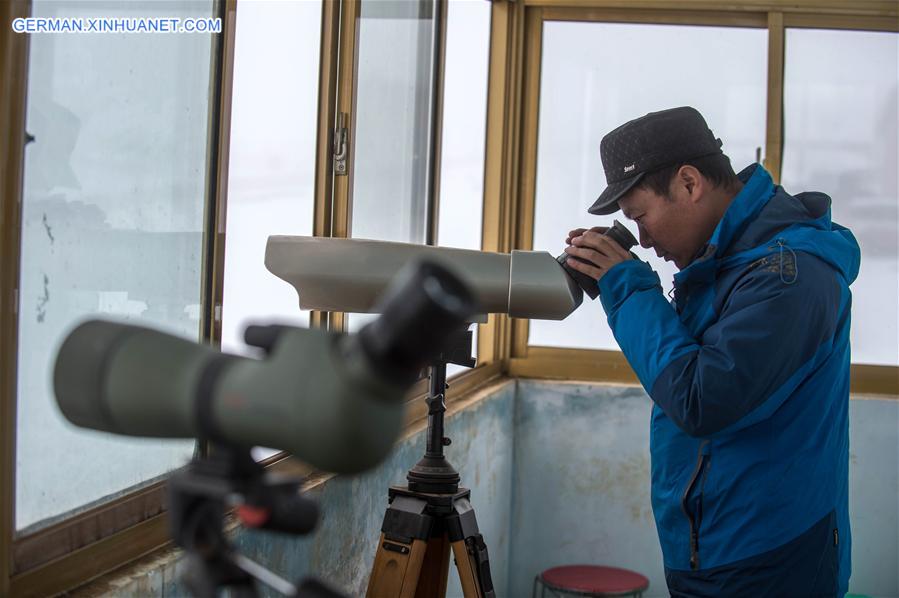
(840, 137)
(112, 225)
(271, 172)
(271, 176)
(464, 125)
(595, 77)
(463, 130)
(391, 137)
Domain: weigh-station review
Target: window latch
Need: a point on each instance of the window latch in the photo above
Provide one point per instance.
(339, 145)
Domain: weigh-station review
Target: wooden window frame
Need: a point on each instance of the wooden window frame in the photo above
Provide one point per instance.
(14, 63)
(533, 361)
(333, 193)
(333, 197)
(90, 543)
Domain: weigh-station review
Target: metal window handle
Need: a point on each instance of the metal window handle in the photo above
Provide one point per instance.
(339, 145)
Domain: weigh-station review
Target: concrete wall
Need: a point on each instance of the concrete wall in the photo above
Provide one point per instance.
(581, 481)
(342, 549)
(581, 485)
(559, 475)
(874, 496)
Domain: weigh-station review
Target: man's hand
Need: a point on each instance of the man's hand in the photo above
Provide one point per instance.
(599, 250)
(580, 231)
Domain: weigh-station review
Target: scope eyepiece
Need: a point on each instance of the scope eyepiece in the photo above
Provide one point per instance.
(618, 233)
(621, 235)
(425, 304)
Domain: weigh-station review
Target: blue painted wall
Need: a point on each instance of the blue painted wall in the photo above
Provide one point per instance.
(559, 474)
(581, 481)
(874, 496)
(581, 485)
(343, 548)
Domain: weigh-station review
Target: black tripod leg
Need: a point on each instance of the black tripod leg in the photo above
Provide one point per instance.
(470, 551)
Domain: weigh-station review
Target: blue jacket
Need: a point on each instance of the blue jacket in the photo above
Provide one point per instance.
(748, 368)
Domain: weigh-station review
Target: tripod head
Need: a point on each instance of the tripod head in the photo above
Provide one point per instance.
(433, 473)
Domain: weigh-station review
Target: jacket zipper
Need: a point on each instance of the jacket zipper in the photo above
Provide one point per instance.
(701, 468)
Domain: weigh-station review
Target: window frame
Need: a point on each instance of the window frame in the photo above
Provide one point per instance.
(333, 193)
(534, 361)
(87, 544)
(14, 58)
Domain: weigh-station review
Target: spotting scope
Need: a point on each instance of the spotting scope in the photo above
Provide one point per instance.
(333, 400)
(347, 275)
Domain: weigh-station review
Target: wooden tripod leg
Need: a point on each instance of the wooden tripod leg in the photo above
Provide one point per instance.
(470, 551)
(397, 569)
(433, 578)
(467, 567)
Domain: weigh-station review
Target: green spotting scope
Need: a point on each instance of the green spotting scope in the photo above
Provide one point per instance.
(332, 400)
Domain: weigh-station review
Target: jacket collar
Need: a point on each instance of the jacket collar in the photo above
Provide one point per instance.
(758, 188)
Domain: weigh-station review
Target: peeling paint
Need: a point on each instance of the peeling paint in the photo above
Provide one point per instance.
(559, 474)
(343, 547)
(43, 300)
(581, 482)
(48, 229)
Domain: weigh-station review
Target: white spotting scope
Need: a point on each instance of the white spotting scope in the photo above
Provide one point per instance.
(349, 274)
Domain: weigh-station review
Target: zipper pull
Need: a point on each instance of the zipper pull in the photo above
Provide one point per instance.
(694, 550)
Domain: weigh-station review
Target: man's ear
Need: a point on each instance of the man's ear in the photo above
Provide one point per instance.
(690, 180)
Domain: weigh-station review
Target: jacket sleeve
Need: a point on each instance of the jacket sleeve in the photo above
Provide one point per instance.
(768, 336)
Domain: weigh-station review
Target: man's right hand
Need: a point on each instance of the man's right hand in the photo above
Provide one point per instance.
(580, 231)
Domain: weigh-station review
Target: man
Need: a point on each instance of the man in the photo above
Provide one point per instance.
(748, 366)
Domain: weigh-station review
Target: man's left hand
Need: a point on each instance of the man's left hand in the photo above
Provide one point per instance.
(598, 249)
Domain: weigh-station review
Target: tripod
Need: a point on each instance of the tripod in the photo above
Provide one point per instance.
(432, 514)
(200, 497)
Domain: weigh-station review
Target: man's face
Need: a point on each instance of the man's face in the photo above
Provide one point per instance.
(670, 225)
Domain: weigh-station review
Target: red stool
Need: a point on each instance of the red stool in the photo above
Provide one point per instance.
(590, 580)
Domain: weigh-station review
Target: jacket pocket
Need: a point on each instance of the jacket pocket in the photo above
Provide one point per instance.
(691, 500)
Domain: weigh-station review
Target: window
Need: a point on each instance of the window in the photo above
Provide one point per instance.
(463, 128)
(840, 137)
(391, 140)
(271, 174)
(464, 125)
(393, 156)
(112, 226)
(596, 76)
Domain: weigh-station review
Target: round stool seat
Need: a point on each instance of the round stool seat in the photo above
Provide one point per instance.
(594, 580)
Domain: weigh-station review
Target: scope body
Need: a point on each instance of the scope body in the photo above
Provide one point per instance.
(333, 400)
(348, 275)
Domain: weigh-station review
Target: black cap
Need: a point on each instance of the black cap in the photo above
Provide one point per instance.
(648, 143)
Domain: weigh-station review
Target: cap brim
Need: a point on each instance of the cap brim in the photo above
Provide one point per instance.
(607, 202)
